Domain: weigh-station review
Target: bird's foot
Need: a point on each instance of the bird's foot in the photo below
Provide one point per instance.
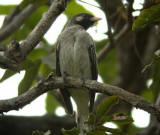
(65, 75)
(83, 80)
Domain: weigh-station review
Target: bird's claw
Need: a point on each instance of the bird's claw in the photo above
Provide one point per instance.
(65, 75)
(83, 80)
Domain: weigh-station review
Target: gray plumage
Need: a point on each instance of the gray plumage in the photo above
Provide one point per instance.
(76, 56)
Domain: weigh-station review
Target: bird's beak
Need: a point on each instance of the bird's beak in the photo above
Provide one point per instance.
(95, 19)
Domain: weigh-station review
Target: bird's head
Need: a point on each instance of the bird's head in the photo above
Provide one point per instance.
(85, 20)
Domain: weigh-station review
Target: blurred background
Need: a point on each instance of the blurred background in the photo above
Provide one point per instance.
(121, 65)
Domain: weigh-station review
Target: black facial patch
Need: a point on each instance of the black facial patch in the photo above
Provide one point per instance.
(84, 20)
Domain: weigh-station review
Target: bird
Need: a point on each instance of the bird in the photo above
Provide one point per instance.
(76, 57)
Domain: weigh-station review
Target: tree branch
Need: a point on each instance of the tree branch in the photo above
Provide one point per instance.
(12, 125)
(7, 63)
(17, 52)
(116, 39)
(18, 20)
(53, 82)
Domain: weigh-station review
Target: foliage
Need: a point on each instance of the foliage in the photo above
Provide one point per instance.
(155, 87)
(41, 61)
(96, 121)
(147, 17)
(36, 132)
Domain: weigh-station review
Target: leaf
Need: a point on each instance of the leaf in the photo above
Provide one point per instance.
(6, 9)
(104, 119)
(29, 77)
(21, 33)
(111, 130)
(45, 70)
(73, 8)
(108, 67)
(50, 60)
(8, 73)
(47, 133)
(51, 104)
(97, 133)
(105, 107)
(101, 44)
(73, 131)
(91, 119)
(37, 54)
(147, 17)
(37, 3)
(37, 132)
(155, 87)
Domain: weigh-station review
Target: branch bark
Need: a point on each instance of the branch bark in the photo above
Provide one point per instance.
(17, 52)
(116, 40)
(53, 82)
(21, 125)
(18, 20)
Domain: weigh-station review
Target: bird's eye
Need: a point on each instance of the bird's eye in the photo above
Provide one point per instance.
(79, 18)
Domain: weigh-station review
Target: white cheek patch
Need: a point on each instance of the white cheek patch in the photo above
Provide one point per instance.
(79, 18)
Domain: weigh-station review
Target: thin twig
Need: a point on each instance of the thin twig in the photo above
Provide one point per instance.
(109, 46)
(89, 4)
(129, 12)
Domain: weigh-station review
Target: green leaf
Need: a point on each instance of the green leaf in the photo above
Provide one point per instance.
(105, 107)
(21, 33)
(6, 9)
(101, 44)
(29, 77)
(50, 60)
(155, 87)
(8, 73)
(51, 104)
(37, 3)
(45, 70)
(111, 130)
(37, 54)
(91, 119)
(97, 133)
(148, 94)
(37, 132)
(104, 119)
(47, 133)
(147, 17)
(73, 131)
(108, 67)
(73, 8)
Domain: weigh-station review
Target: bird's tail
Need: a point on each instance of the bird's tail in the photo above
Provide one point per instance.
(81, 123)
(82, 118)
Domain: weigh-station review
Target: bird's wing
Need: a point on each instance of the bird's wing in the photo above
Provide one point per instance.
(94, 71)
(65, 93)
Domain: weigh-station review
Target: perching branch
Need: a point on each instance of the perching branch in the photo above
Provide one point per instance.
(18, 20)
(53, 82)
